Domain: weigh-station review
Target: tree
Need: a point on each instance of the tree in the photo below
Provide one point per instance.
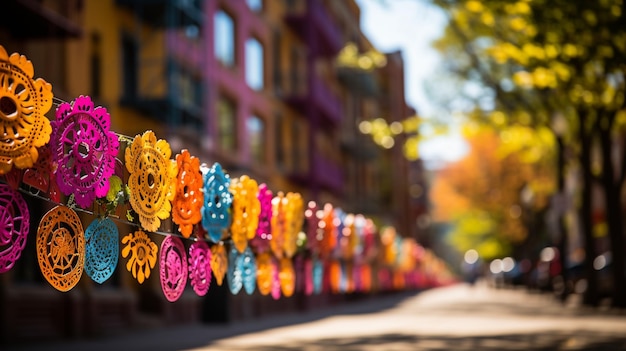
(535, 60)
(480, 194)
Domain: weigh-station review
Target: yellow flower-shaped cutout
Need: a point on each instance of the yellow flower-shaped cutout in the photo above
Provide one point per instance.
(294, 218)
(246, 210)
(151, 180)
(279, 225)
(23, 104)
(143, 254)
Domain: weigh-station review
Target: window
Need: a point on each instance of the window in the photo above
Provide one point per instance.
(130, 64)
(227, 124)
(254, 64)
(256, 138)
(280, 141)
(96, 65)
(224, 38)
(255, 5)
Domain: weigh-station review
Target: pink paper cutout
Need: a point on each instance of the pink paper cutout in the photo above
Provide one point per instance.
(85, 150)
(14, 226)
(200, 267)
(173, 268)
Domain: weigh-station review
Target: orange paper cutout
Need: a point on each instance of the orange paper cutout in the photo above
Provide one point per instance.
(61, 248)
(287, 277)
(264, 273)
(143, 254)
(23, 104)
(219, 262)
(187, 204)
(151, 180)
(246, 210)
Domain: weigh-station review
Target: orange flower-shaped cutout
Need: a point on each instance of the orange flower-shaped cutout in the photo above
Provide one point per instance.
(294, 218)
(279, 224)
(151, 180)
(187, 204)
(23, 104)
(61, 248)
(265, 273)
(219, 262)
(246, 210)
(287, 277)
(143, 254)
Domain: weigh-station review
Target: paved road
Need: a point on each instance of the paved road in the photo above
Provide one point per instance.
(452, 318)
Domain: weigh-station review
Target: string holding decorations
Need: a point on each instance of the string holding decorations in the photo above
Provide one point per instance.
(84, 149)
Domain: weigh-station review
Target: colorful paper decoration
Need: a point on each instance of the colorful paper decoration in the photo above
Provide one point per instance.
(287, 277)
(294, 216)
(312, 226)
(173, 268)
(265, 273)
(141, 253)
(200, 267)
(275, 279)
(151, 181)
(40, 176)
(308, 277)
(14, 226)
(329, 229)
(279, 225)
(249, 271)
(102, 249)
(261, 242)
(14, 178)
(23, 104)
(246, 210)
(235, 271)
(217, 201)
(318, 276)
(187, 204)
(61, 247)
(84, 149)
(219, 263)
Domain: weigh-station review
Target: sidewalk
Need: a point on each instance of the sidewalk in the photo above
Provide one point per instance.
(452, 318)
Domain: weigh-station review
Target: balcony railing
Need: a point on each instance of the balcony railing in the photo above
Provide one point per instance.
(327, 102)
(328, 174)
(316, 20)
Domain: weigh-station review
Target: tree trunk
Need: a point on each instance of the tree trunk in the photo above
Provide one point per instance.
(562, 234)
(591, 294)
(612, 203)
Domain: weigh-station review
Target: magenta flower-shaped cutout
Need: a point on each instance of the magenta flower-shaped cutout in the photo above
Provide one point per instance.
(84, 149)
(261, 242)
(200, 267)
(173, 272)
(14, 225)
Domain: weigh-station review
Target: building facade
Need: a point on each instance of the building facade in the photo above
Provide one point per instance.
(252, 84)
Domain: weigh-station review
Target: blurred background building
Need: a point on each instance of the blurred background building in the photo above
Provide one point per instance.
(252, 84)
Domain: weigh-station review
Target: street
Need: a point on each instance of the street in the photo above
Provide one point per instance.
(458, 317)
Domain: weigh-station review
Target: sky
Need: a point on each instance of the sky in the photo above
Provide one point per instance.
(411, 26)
